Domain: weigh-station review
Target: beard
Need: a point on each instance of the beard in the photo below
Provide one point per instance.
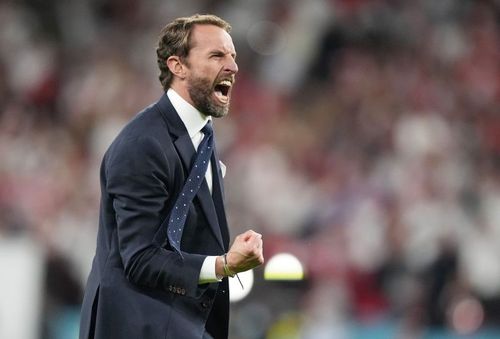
(201, 92)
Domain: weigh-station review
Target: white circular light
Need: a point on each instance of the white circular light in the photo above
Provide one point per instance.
(236, 291)
(466, 315)
(284, 266)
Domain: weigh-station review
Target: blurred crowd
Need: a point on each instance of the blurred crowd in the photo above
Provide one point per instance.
(364, 138)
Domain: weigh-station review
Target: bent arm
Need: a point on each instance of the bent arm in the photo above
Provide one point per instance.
(136, 178)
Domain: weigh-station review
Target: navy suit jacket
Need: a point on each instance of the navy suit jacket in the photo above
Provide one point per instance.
(138, 288)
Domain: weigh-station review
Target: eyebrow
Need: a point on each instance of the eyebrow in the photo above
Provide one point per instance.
(221, 51)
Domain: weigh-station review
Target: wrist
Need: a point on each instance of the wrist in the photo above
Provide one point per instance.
(227, 271)
(219, 267)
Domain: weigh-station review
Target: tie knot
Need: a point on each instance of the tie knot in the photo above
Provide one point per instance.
(207, 129)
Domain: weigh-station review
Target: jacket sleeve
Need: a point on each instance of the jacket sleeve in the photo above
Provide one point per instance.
(136, 178)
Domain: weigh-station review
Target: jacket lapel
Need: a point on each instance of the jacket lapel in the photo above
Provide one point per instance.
(185, 149)
(208, 207)
(218, 199)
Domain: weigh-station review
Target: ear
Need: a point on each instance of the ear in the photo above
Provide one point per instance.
(176, 66)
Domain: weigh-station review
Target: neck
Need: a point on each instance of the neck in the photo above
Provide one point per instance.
(182, 91)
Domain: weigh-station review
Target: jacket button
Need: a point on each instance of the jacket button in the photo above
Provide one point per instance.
(205, 304)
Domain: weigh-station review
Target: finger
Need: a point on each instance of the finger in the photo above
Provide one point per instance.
(256, 235)
(251, 233)
(243, 237)
(259, 243)
(247, 235)
(255, 241)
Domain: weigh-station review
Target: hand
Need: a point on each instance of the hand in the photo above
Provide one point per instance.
(246, 252)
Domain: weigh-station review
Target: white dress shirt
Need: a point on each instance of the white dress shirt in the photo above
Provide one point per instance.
(194, 121)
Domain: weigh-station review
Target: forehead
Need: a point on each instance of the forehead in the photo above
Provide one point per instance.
(210, 37)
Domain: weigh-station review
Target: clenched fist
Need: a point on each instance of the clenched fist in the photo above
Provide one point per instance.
(245, 253)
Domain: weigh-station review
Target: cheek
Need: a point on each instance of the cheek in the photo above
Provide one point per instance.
(205, 72)
(211, 68)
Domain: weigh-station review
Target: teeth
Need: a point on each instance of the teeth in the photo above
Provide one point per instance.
(225, 83)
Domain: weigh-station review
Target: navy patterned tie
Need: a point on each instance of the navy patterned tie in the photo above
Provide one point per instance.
(191, 187)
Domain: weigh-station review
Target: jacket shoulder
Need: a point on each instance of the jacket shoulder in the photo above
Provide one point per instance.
(145, 132)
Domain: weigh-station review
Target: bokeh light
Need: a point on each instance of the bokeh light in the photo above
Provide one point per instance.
(466, 315)
(284, 266)
(238, 292)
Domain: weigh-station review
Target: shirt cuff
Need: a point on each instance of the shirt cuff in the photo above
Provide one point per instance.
(207, 272)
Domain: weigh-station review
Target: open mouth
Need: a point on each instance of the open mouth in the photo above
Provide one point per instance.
(222, 90)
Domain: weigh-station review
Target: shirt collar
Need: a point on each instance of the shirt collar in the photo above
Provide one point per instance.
(193, 119)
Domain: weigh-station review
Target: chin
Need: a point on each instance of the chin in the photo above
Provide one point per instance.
(218, 110)
(219, 113)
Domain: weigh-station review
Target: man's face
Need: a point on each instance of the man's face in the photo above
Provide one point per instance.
(211, 69)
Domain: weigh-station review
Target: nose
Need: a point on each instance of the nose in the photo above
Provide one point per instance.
(231, 65)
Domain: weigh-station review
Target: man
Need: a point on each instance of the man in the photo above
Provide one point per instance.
(154, 276)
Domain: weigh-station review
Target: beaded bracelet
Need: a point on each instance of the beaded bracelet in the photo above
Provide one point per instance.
(228, 272)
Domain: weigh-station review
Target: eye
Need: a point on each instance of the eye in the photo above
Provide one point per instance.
(216, 55)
